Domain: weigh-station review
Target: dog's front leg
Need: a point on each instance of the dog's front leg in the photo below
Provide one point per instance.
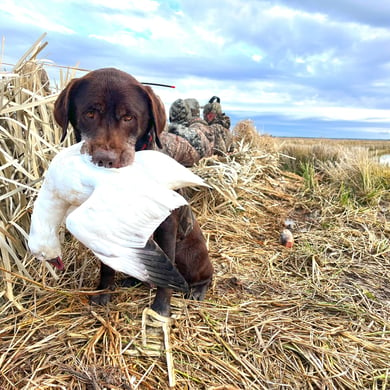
(107, 282)
(165, 236)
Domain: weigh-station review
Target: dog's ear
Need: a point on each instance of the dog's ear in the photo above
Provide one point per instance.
(62, 105)
(158, 115)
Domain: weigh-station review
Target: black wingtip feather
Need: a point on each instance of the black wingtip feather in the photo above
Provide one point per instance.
(161, 271)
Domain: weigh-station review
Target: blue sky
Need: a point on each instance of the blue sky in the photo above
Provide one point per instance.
(295, 67)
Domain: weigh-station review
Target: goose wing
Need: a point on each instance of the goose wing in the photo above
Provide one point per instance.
(116, 224)
(166, 171)
(149, 264)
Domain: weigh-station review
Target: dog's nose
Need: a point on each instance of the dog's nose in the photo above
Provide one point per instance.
(106, 158)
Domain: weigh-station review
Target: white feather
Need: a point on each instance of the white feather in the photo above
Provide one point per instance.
(114, 212)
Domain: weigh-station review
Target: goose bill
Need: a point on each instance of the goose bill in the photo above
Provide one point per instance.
(57, 263)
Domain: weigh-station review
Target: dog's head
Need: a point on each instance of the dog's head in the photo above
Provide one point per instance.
(113, 113)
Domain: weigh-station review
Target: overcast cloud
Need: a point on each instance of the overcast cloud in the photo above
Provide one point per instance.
(295, 67)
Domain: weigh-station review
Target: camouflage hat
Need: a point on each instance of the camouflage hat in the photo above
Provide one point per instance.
(193, 107)
(178, 112)
(212, 109)
(182, 111)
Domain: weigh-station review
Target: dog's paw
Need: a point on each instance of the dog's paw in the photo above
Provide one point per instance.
(100, 299)
(198, 291)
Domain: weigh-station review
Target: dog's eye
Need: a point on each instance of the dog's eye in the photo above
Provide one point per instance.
(90, 114)
(127, 118)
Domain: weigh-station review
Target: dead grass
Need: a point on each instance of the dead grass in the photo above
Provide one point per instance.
(350, 169)
(375, 146)
(298, 152)
(313, 317)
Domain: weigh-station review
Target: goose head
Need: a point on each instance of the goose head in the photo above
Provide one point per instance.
(46, 252)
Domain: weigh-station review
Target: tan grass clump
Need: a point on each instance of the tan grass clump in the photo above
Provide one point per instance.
(28, 141)
(245, 132)
(360, 174)
(351, 172)
(295, 156)
(313, 317)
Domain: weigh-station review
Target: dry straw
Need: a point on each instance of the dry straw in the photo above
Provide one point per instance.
(313, 317)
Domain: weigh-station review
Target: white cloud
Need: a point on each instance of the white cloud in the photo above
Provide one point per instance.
(284, 12)
(28, 13)
(298, 58)
(257, 57)
(333, 113)
(203, 34)
(119, 38)
(126, 5)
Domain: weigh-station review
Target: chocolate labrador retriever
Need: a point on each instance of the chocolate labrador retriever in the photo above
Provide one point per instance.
(116, 116)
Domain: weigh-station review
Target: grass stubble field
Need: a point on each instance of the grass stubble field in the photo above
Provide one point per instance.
(316, 316)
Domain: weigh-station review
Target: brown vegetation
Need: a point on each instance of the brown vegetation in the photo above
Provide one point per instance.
(315, 316)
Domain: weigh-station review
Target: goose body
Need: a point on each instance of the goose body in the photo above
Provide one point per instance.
(113, 212)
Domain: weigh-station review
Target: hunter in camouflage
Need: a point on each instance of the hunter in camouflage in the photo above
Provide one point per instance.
(206, 137)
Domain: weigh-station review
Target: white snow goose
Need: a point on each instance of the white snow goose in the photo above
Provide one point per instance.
(113, 212)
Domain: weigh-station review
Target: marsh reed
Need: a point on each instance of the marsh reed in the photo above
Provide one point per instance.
(316, 316)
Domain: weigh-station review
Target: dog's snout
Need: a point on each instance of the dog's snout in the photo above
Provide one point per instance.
(106, 158)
